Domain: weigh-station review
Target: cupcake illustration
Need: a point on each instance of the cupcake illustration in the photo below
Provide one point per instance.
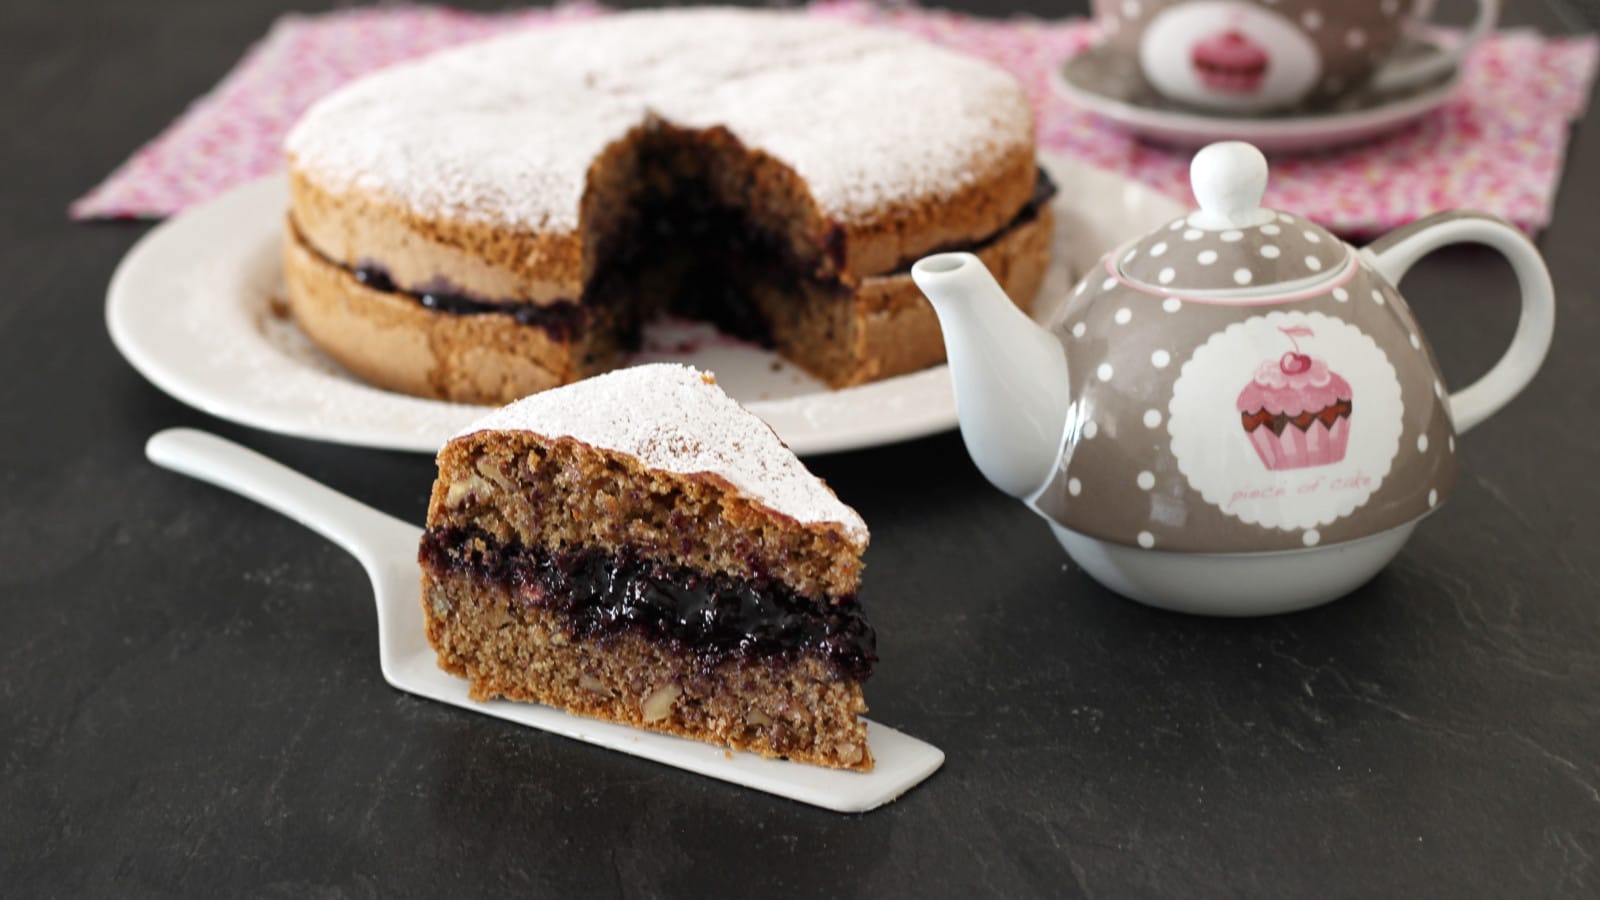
(1230, 62)
(1296, 410)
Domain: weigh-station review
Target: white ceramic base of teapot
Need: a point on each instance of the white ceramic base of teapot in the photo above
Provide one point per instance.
(1234, 584)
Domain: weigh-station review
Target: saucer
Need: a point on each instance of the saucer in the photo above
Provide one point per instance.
(1110, 87)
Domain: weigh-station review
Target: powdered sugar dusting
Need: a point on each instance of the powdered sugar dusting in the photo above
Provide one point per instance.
(668, 417)
(504, 131)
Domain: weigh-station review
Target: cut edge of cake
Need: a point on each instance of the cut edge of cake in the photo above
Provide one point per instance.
(639, 548)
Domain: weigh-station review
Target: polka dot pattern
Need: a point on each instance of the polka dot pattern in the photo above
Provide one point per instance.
(1129, 345)
(1278, 251)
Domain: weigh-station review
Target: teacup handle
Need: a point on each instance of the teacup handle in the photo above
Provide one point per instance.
(1402, 74)
(1394, 254)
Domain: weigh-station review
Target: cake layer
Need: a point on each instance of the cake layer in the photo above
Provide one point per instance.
(709, 616)
(878, 147)
(795, 707)
(710, 229)
(390, 340)
(764, 524)
(881, 328)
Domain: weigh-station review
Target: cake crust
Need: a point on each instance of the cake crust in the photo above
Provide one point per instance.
(394, 342)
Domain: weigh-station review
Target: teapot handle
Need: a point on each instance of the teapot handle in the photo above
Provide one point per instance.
(1394, 254)
(1409, 73)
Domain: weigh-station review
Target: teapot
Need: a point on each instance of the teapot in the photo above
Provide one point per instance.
(1236, 414)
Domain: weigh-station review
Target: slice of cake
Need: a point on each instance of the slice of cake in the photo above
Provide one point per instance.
(637, 547)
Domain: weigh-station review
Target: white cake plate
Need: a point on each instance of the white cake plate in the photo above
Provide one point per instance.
(190, 307)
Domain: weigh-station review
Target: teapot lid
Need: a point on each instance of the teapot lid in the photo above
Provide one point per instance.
(1233, 245)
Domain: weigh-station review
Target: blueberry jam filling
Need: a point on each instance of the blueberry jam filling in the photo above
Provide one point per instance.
(714, 617)
(709, 235)
(560, 319)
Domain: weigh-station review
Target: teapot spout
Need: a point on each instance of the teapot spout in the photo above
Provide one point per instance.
(1010, 374)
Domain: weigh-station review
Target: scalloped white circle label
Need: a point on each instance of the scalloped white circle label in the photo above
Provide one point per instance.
(1289, 420)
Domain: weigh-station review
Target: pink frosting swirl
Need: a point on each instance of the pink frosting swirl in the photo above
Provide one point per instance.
(1286, 393)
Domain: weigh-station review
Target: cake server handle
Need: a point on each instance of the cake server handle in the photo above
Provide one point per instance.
(369, 535)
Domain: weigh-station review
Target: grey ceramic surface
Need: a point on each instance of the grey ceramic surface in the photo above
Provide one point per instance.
(1352, 39)
(1182, 257)
(1140, 469)
(1104, 71)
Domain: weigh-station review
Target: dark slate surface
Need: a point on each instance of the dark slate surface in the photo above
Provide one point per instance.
(191, 701)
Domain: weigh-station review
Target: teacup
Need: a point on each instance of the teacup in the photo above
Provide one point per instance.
(1263, 56)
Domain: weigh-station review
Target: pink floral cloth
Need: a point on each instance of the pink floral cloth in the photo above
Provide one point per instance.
(1499, 146)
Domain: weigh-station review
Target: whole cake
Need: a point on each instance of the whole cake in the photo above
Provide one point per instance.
(502, 218)
(638, 547)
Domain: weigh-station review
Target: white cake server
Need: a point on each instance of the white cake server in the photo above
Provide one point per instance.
(387, 549)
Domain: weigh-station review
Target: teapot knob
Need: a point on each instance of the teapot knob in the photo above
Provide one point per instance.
(1229, 179)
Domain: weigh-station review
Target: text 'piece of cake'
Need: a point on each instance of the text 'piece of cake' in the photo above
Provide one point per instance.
(639, 548)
